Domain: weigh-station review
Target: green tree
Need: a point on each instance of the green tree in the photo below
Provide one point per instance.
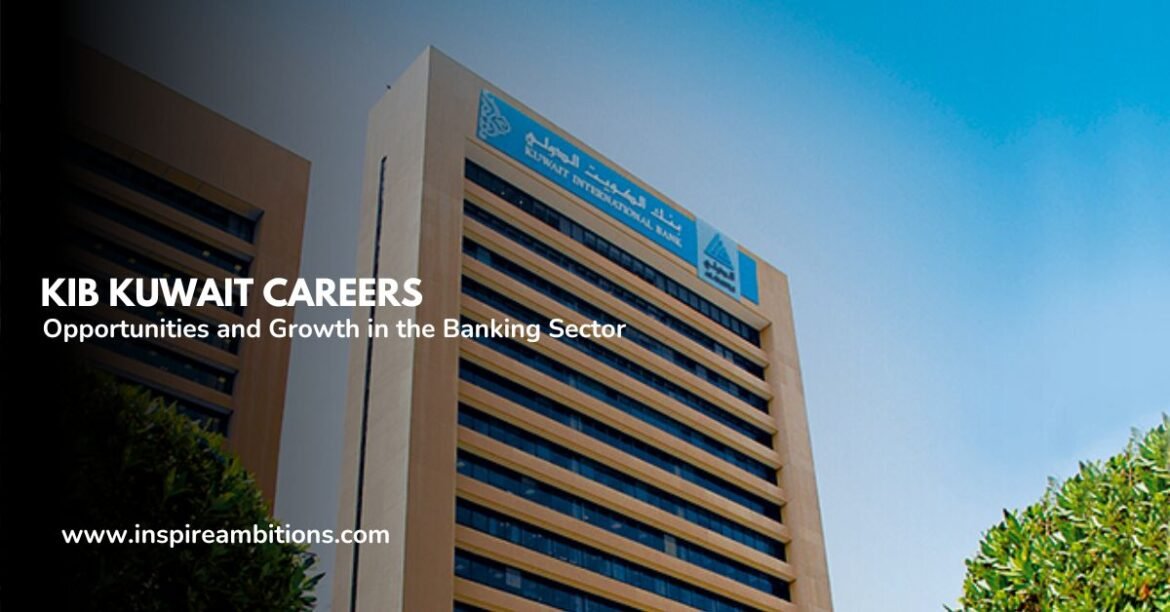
(136, 461)
(1098, 541)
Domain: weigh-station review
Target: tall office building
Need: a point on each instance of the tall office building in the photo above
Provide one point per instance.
(160, 186)
(667, 468)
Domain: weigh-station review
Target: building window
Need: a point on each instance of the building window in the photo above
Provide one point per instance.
(610, 251)
(212, 418)
(210, 376)
(482, 570)
(628, 367)
(620, 525)
(575, 553)
(609, 477)
(603, 283)
(128, 175)
(137, 262)
(512, 578)
(623, 402)
(158, 313)
(170, 236)
(614, 438)
(583, 306)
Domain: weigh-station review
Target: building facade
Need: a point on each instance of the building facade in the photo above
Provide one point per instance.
(160, 186)
(667, 468)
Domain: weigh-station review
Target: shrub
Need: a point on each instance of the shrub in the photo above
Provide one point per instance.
(134, 461)
(1098, 541)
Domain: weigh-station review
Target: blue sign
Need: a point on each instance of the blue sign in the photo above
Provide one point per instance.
(748, 285)
(540, 149)
(719, 260)
(558, 160)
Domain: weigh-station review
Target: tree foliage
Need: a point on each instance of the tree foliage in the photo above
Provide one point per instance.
(136, 461)
(1098, 541)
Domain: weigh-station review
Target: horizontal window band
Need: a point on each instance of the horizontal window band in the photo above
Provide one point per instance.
(588, 274)
(564, 458)
(568, 550)
(561, 222)
(667, 461)
(619, 363)
(591, 311)
(699, 431)
(483, 570)
(165, 192)
(174, 237)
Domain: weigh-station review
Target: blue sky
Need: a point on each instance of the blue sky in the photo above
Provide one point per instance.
(973, 209)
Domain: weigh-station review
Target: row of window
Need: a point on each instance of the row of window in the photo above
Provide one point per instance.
(610, 251)
(602, 474)
(137, 262)
(550, 497)
(580, 555)
(625, 403)
(210, 418)
(583, 306)
(168, 194)
(620, 525)
(159, 312)
(603, 283)
(166, 234)
(161, 190)
(610, 436)
(496, 575)
(629, 367)
(171, 362)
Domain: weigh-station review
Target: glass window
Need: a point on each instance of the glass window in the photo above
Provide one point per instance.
(622, 402)
(494, 574)
(567, 298)
(134, 261)
(211, 376)
(170, 236)
(158, 312)
(605, 284)
(213, 418)
(610, 436)
(609, 477)
(629, 367)
(161, 190)
(541, 211)
(620, 525)
(580, 555)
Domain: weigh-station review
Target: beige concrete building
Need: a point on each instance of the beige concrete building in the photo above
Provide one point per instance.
(669, 468)
(161, 186)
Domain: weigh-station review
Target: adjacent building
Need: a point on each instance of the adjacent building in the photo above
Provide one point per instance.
(667, 468)
(160, 186)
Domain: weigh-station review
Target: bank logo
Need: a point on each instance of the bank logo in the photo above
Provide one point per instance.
(717, 251)
(719, 261)
(492, 122)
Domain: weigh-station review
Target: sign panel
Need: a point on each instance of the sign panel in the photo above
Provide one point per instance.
(748, 285)
(553, 157)
(543, 151)
(718, 259)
